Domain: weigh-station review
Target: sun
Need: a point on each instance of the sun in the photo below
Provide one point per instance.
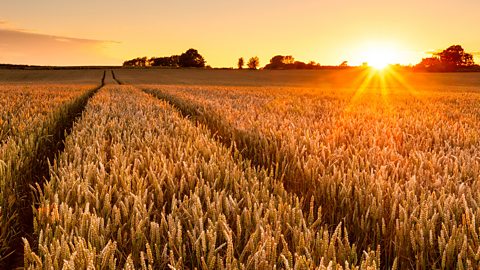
(380, 56)
(378, 64)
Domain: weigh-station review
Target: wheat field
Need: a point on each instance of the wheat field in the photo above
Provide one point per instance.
(187, 169)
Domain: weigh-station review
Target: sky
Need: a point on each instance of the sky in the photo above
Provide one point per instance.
(107, 32)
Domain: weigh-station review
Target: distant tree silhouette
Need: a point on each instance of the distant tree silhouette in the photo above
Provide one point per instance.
(253, 63)
(430, 63)
(240, 63)
(191, 58)
(300, 65)
(169, 61)
(288, 62)
(280, 62)
(137, 62)
(453, 58)
(344, 64)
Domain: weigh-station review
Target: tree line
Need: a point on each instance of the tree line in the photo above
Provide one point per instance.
(277, 62)
(454, 58)
(190, 58)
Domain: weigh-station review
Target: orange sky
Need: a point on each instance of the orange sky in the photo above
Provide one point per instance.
(54, 32)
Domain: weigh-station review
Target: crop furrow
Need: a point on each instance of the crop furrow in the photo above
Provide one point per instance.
(27, 164)
(115, 78)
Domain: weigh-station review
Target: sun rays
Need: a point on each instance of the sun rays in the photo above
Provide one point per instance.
(376, 86)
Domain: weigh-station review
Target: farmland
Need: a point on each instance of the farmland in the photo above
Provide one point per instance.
(206, 169)
(33, 121)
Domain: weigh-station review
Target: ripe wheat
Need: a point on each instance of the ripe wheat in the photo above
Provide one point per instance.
(139, 186)
(29, 118)
(399, 168)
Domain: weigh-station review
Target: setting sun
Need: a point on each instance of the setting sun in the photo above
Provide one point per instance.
(379, 65)
(380, 56)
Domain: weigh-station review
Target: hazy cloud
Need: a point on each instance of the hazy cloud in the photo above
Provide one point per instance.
(24, 47)
(476, 53)
(6, 24)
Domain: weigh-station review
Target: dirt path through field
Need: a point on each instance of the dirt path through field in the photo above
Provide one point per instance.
(115, 78)
(41, 168)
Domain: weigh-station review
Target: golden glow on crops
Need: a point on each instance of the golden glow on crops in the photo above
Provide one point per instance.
(29, 114)
(381, 82)
(383, 174)
(392, 153)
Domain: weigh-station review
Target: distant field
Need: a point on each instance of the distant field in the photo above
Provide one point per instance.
(304, 78)
(225, 169)
(82, 76)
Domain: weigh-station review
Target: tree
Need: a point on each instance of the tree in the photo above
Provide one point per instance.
(191, 58)
(288, 62)
(253, 63)
(169, 61)
(429, 62)
(174, 60)
(455, 56)
(298, 65)
(344, 64)
(281, 62)
(241, 63)
(137, 62)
